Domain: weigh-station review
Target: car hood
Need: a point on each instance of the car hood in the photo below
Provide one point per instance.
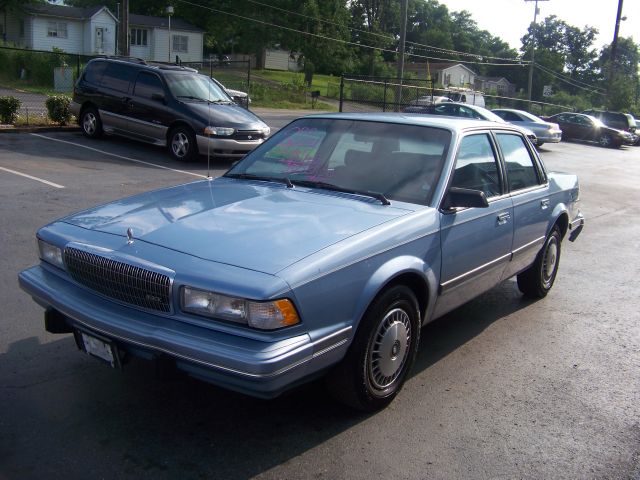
(255, 225)
(230, 115)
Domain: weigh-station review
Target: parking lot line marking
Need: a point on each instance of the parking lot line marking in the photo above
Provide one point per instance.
(41, 180)
(122, 157)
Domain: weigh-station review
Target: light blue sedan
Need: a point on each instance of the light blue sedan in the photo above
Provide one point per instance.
(323, 252)
(546, 132)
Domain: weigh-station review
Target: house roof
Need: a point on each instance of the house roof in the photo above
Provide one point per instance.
(443, 66)
(62, 11)
(491, 79)
(161, 22)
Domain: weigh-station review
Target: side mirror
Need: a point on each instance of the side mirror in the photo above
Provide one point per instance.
(158, 97)
(465, 198)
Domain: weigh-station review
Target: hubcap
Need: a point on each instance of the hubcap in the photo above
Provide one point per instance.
(180, 144)
(550, 261)
(605, 140)
(390, 348)
(89, 123)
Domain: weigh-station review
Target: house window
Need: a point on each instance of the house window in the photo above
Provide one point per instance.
(57, 29)
(180, 43)
(139, 37)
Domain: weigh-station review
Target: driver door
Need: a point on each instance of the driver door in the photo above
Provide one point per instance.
(475, 242)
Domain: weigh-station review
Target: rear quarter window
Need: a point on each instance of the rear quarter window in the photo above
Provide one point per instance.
(94, 71)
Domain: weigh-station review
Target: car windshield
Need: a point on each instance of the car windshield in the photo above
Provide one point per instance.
(375, 159)
(191, 86)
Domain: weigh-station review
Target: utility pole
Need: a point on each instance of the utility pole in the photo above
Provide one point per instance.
(403, 38)
(533, 46)
(124, 29)
(614, 48)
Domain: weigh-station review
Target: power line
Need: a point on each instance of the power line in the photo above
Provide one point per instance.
(592, 89)
(346, 42)
(382, 35)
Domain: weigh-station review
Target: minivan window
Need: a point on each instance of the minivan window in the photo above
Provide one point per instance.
(148, 84)
(94, 72)
(117, 77)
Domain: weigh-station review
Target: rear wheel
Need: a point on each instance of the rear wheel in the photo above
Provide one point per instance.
(537, 280)
(383, 350)
(91, 123)
(182, 144)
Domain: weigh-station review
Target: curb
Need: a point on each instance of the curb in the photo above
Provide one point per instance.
(35, 129)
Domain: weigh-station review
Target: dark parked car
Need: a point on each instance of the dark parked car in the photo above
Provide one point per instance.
(578, 126)
(323, 251)
(166, 105)
(617, 120)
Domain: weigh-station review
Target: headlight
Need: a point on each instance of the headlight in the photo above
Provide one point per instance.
(262, 315)
(50, 254)
(219, 131)
(266, 131)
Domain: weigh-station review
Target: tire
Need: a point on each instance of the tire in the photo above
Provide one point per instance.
(91, 123)
(383, 350)
(182, 144)
(605, 140)
(537, 280)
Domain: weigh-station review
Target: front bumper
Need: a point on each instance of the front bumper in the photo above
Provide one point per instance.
(550, 137)
(225, 147)
(258, 368)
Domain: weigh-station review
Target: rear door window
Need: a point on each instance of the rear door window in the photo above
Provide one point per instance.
(117, 77)
(521, 167)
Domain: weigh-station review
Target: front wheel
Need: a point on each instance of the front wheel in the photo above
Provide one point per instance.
(383, 350)
(605, 140)
(91, 123)
(537, 280)
(182, 144)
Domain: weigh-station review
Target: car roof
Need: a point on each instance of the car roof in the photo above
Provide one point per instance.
(139, 63)
(455, 124)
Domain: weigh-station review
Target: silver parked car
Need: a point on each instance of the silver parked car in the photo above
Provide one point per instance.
(546, 132)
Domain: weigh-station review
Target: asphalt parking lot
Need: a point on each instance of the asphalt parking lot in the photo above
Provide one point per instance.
(502, 388)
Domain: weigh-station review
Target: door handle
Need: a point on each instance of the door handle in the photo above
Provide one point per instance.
(544, 203)
(503, 218)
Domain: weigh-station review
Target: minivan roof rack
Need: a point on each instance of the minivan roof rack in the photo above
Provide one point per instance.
(125, 58)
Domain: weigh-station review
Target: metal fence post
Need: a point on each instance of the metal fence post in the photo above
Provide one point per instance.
(384, 96)
(248, 76)
(341, 91)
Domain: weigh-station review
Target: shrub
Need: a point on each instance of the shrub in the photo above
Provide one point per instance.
(9, 109)
(58, 108)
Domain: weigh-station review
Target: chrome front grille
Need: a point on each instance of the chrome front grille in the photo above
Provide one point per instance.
(248, 135)
(118, 280)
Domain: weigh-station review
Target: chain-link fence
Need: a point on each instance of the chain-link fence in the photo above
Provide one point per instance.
(375, 94)
(33, 75)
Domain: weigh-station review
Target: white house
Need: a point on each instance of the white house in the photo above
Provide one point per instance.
(93, 31)
(499, 85)
(149, 39)
(87, 31)
(445, 74)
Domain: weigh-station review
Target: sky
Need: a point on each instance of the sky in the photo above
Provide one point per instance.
(509, 19)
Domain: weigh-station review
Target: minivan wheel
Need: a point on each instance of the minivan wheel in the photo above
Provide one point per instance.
(182, 144)
(91, 123)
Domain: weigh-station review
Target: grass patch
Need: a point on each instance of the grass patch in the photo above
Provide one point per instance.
(328, 85)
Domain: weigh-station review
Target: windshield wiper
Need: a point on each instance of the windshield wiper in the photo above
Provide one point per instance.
(250, 176)
(330, 186)
(191, 97)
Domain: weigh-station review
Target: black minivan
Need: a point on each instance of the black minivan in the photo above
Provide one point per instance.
(166, 105)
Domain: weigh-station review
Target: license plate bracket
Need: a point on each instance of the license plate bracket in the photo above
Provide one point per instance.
(98, 347)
